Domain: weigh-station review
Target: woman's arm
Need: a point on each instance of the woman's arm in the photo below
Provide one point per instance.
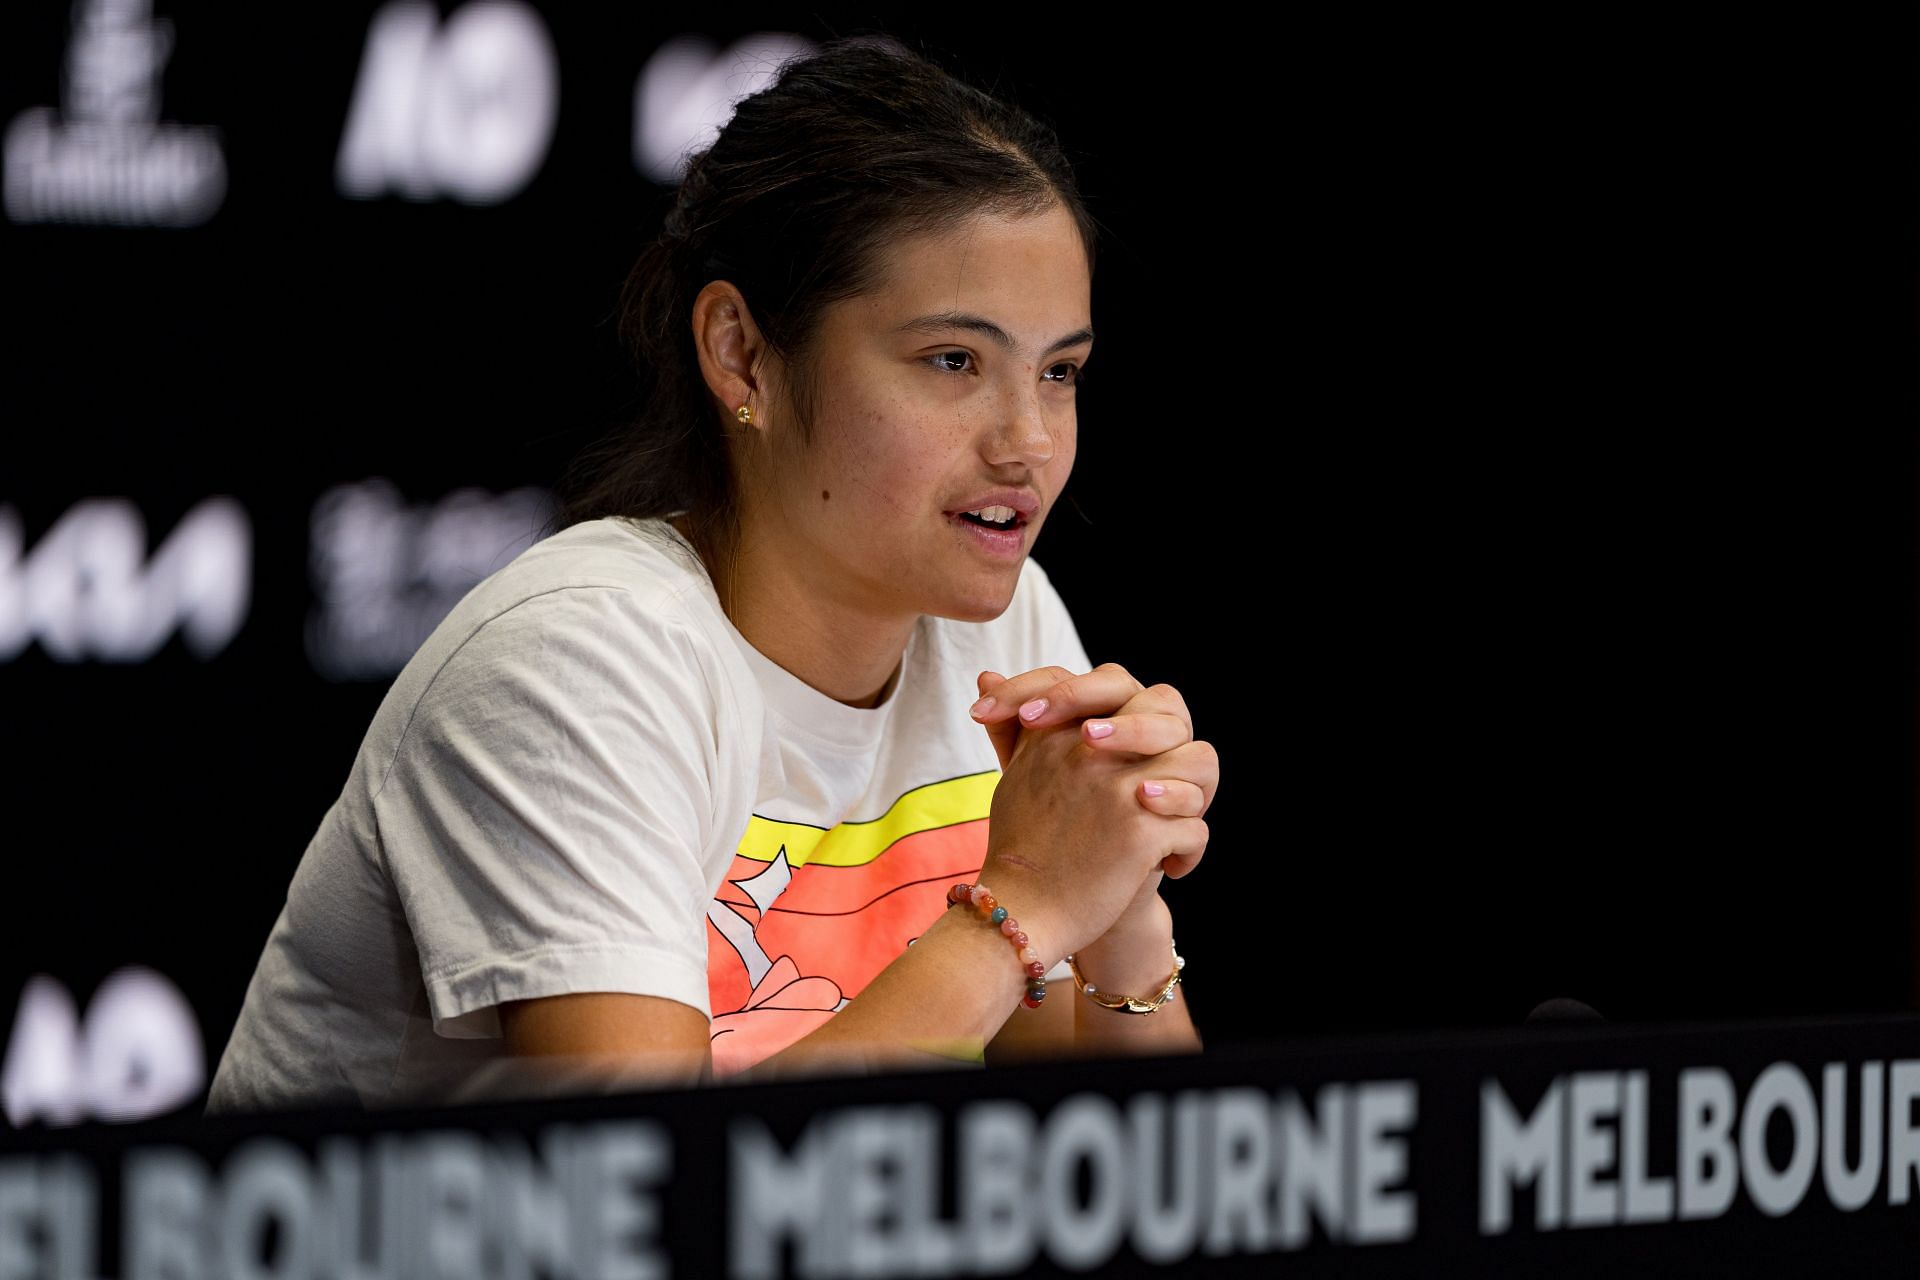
(1037, 1035)
(1071, 846)
(944, 986)
(1135, 956)
(959, 980)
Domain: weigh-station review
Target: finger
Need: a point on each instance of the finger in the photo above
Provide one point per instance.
(1099, 692)
(1195, 762)
(1186, 849)
(1178, 866)
(1163, 699)
(1005, 734)
(1006, 697)
(1145, 733)
(1174, 797)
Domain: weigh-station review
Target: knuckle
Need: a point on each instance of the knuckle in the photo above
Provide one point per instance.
(1038, 679)
(1188, 759)
(1060, 690)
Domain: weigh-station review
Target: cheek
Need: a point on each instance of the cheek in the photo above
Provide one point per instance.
(833, 473)
(885, 460)
(1066, 444)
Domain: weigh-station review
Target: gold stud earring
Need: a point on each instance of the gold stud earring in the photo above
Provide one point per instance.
(744, 413)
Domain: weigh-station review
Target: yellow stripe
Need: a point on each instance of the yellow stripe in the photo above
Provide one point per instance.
(854, 844)
(964, 1049)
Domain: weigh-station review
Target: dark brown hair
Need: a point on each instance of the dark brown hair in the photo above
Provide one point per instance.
(858, 143)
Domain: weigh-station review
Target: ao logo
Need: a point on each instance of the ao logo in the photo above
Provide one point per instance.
(137, 1054)
(89, 591)
(465, 110)
(688, 90)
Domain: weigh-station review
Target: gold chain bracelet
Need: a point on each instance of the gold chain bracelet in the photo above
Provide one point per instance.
(1130, 1004)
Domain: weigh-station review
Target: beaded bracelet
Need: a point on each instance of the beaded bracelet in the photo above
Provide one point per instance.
(978, 895)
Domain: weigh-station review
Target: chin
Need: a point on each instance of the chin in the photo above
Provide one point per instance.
(984, 603)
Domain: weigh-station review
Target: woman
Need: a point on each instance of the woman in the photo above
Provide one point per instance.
(682, 792)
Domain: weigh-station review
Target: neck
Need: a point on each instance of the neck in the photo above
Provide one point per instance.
(808, 624)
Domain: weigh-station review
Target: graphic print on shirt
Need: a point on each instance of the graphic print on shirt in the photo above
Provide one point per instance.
(807, 916)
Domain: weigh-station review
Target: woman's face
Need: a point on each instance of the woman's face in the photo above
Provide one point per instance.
(948, 389)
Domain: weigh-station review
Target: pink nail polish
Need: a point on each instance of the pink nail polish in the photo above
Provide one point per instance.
(1033, 710)
(1099, 728)
(1154, 789)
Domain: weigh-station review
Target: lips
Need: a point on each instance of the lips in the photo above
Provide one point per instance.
(1025, 503)
(1006, 545)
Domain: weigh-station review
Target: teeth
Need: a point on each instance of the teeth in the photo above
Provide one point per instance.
(999, 515)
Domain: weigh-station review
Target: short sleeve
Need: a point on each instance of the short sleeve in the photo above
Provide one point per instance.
(546, 812)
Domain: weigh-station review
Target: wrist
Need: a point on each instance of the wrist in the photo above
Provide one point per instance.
(1046, 933)
(980, 902)
(980, 957)
(1135, 957)
(1146, 923)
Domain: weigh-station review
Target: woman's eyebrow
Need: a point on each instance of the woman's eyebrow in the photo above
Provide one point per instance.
(980, 324)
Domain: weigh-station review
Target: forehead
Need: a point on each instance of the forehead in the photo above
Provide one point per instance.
(1028, 273)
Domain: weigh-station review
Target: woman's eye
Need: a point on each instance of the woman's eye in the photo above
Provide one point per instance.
(1066, 373)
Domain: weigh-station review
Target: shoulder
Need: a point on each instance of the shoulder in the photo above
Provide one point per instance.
(603, 620)
(644, 560)
(617, 593)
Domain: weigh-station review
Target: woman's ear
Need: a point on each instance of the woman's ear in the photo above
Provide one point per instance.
(730, 347)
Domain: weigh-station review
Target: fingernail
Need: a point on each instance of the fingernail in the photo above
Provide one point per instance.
(1033, 709)
(1154, 788)
(983, 706)
(1099, 728)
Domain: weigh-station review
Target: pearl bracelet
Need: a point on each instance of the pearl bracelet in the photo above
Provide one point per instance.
(1131, 1004)
(979, 896)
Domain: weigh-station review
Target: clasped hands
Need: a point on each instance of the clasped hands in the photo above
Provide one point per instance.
(1116, 713)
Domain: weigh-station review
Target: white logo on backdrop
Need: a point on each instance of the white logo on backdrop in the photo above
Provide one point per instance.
(688, 90)
(88, 589)
(464, 110)
(137, 1054)
(108, 158)
(386, 573)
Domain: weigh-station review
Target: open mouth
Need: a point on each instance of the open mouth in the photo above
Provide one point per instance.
(995, 518)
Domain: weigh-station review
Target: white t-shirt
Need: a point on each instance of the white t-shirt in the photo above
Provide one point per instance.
(587, 780)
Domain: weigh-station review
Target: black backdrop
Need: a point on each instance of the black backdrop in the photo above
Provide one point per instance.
(1502, 434)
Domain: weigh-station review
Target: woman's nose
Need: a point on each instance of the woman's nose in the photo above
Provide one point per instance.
(1023, 434)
